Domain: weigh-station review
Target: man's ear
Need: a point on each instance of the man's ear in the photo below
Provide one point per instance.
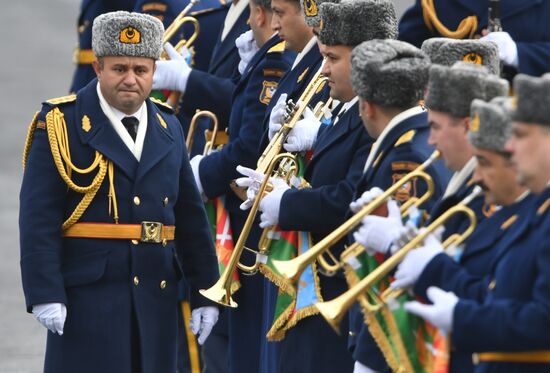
(97, 67)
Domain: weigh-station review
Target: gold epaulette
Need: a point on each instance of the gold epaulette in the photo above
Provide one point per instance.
(162, 104)
(277, 48)
(405, 138)
(61, 100)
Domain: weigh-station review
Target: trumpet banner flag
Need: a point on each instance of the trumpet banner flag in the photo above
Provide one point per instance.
(220, 226)
(408, 343)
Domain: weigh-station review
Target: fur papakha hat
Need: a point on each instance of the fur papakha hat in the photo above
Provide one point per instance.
(351, 22)
(127, 34)
(491, 124)
(531, 100)
(452, 89)
(389, 73)
(447, 51)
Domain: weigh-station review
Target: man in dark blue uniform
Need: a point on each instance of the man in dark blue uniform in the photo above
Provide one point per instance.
(462, 273)
(507, 329)
(340, 148)
(390, 77)
(110, 215)
(523, 45)
(215, 172)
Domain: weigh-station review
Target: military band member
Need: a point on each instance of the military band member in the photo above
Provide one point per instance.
(110, 215)
(215, 172)
(340, 148)
(389, 77)
(429, 265)
(523, 44)
(507, 329)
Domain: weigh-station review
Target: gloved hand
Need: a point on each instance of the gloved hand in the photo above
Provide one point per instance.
(174, 73)
(440, 313)
(51, 315)
(507, 48)
(203, 320)
(365, 199)
(277, 116)
(302, 137)
(360, 368)
(252, 182)
(378, 233)
(415, 261)
(195, 162)
(271, 204)
(247, 48)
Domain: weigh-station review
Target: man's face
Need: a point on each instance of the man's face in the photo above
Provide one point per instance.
(529, 146)
(450, 136)
(496, 175)
(125, 81)
(337, 69)
(288, 20)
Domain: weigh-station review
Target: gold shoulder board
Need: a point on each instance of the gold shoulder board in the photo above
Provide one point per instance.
(162, 104)
(405, 138)
(61, 100)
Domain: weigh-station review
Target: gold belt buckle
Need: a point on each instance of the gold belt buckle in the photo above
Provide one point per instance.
(151, 231)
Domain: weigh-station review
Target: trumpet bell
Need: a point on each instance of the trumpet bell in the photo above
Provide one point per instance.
(219, 294)
(332, 314)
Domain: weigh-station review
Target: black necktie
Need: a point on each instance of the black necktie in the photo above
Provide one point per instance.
(131, 124)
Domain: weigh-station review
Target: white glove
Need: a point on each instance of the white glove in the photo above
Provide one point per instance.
(277, 116)
(360, 368)
(507, 48)
(440, 313)
(378, 233)
(271, 204)
(302, 137)
(174, 73)
(365, 199)
(415, 261)
(247, 48)
(203, 320)
(252, 181)
(51, 315)
(195, 162)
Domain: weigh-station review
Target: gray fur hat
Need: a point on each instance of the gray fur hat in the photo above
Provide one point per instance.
(531, 103)
(127, 34)
(389, 72)
(351, 22)
(311, 10)
(491, 124)
(446, 51)
(452, 89)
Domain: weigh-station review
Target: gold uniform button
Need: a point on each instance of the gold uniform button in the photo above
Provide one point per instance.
(165, 201)
(137, 201)
(351, 334)
(136, 280)
(164, 242)
(492, 284)
(135, 242)
(163, 284)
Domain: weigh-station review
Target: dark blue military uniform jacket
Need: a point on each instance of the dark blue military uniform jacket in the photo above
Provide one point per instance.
(524, 20)
(465, 275)
(113, 289)
(515, 315)
(338, 158)
(401, 152)
(213, 90)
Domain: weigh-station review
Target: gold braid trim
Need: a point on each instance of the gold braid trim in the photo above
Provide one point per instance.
(395, 335)
(466, 28)
(59, 144)
(29, 138)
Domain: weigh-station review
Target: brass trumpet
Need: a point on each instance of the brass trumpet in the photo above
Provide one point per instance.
(214, 138)
(220, 292)
(294, 113)
(333, 311)
(293, 269)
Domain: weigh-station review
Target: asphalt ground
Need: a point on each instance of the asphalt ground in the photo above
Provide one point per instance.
(36, 45)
